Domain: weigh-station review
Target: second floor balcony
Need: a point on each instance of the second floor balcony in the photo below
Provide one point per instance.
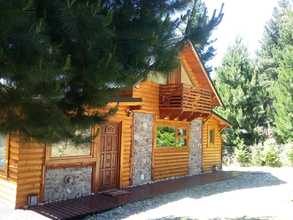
(184, 102)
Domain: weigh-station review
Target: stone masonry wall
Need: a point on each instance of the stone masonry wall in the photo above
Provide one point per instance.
(142, 148)
(67, 183)
(195, 146)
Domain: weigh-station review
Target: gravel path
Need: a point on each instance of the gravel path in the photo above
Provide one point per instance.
(258, 194)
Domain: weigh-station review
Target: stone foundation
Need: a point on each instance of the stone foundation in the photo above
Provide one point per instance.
(142, 148)
(195, 146)
(67, 183)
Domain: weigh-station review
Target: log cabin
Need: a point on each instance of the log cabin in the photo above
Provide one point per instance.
(164, 128)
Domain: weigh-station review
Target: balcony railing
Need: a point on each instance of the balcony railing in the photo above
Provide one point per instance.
(183, 99)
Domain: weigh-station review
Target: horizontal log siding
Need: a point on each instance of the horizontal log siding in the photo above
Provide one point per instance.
(7, 192)
(149, 92)
(30, 171)
(211, 154)
(8, 183)
(170, 162)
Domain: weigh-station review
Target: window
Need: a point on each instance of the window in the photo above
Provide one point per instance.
(3, 152)
(70, 149)
(212, 134)
(171, 137)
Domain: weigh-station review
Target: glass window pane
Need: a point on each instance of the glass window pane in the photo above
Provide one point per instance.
(212, 136)
(166, 137)
(2, 151)
(181, 142)
(68, 148)
(181, 132)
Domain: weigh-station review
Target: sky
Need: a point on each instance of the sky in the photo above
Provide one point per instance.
(244, 18)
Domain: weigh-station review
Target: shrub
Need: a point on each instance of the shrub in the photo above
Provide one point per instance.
(290, 155)
(242, 155)
(257, 155)
(272, 156)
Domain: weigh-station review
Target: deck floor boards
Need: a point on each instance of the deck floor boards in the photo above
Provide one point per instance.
(97, 203)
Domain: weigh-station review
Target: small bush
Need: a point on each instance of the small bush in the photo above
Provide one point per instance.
(242, 155)
(257, 155)
(290, 155)
(272, 156)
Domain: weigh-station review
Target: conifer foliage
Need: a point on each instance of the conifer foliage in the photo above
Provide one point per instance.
(239, 88)
(275, 70)
(58, 59)
(199, 29)
(283, 87)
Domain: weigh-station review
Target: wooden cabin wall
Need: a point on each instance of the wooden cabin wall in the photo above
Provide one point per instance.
(7, 192)
(8, 182)
(169, 162)
(149, 92)
(166, 162)
(211, 155)
(32, 155)
(30, 170)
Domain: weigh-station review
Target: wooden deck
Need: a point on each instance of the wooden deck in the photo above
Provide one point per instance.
(77, 208)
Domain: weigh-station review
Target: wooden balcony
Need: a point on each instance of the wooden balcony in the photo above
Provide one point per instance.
(183, 102)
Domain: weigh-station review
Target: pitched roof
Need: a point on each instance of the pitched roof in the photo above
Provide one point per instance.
(200, 73)
(223, 121)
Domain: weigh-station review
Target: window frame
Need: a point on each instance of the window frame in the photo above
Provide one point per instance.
(177, 127)
(210, 129)
(51, 158)
(4, 170)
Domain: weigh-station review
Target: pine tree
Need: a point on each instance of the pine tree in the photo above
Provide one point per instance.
(282, 89)
(266, 63)
(238, 85)
(58, 59)
(199, 27)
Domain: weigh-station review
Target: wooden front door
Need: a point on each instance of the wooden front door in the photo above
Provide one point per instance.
(109, 156)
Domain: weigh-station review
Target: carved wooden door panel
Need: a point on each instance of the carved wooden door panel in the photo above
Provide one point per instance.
(109, 156)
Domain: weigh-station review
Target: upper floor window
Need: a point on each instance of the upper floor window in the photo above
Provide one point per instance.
(3, 152)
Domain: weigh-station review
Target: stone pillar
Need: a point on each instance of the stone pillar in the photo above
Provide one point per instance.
(195, 146)
(142, 148)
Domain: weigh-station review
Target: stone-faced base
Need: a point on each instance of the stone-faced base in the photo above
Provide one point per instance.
(67, 183)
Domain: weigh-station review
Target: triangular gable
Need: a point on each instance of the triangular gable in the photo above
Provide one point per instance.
(222, 121)
(199, 76)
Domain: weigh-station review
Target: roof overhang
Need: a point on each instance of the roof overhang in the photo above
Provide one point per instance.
(223, 122)
(205, 73)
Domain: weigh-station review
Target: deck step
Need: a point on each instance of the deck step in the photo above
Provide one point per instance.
(120, 195)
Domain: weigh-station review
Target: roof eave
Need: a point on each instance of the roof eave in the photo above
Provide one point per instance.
(206, 74)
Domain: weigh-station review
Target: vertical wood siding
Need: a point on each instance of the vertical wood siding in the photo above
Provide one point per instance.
(211, 154)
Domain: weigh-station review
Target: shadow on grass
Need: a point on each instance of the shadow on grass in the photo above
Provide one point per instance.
(245, 180)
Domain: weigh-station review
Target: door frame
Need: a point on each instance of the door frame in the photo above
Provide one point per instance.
(96, 173)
